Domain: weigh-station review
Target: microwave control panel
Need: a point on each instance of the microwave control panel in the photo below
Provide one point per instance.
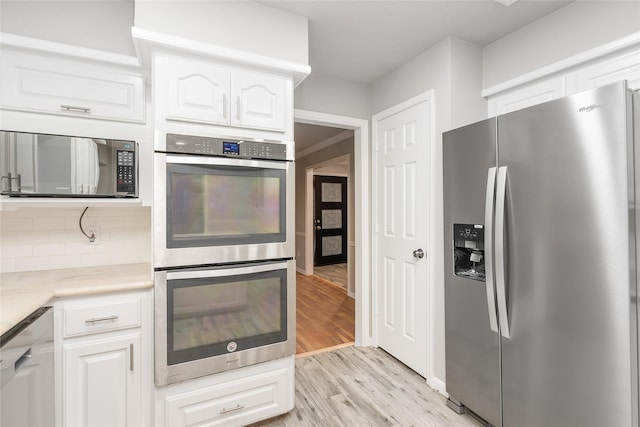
(229, 147)
(125, 171)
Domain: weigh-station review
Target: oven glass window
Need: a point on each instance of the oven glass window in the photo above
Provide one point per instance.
(213, 316)
(214, 206)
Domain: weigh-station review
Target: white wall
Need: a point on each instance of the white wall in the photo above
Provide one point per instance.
(467, 104)
(452, 68)
(241, 25)
(333, 96)
(575, 28)
(102, 25)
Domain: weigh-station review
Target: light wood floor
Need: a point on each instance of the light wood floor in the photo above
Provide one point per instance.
(325, 315)
(336, 273)
(364, 386)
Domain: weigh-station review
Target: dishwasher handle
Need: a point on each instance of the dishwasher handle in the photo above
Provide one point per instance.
(22, 360)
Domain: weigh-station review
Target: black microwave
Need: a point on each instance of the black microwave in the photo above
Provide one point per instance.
(43, 165)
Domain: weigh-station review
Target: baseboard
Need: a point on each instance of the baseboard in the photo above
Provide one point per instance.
(438, 385)
(301, 271)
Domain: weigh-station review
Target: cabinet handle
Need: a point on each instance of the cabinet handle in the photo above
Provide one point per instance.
(131, 357)
(224, 106)
(238, 108)
(101, 319)
(74, 109)
(235, 408)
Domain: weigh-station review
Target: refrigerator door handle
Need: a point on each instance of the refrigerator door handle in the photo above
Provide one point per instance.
(488, 246)
(500, 251)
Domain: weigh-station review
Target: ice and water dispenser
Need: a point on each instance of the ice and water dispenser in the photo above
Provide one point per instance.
(468, 247)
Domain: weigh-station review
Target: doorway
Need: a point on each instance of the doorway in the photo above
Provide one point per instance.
(358, 248)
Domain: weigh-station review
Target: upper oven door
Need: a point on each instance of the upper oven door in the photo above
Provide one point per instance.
(210, 210)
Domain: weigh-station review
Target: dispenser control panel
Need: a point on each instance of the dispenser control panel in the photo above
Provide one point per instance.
(472, 233)
(468, 247)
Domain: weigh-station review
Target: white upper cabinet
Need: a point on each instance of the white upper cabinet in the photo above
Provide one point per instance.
(205, 92)
(197, 91)
(527, 96)
(259, 100)
(44, 84)
(623, 67)
(620, 60)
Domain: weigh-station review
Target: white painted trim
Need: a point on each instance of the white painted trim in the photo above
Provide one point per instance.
(8, 40)
(565, 64)
(428, 96)
(342, 175)
(308, 222)
(362, 211)
(326, 143)
(301, 271)
(438, 386)
(146, 40)
(425, 96)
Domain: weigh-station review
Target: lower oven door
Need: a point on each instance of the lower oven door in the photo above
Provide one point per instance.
(209, 320)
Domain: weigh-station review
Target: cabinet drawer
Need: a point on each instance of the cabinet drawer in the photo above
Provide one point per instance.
(238, 402)
(56, 86)
(101, 317)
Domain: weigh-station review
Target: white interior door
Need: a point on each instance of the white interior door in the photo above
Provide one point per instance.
(401, 171)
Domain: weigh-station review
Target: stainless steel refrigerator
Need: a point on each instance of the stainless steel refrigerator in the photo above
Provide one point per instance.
(542, 220)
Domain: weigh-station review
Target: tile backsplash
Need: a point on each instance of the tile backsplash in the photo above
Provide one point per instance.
(43, 239)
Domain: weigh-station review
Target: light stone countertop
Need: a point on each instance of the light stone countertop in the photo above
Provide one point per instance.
(24, 292)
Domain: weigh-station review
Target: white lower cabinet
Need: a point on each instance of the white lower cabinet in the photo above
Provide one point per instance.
(235, 398)
(102, 384)
(105, 363)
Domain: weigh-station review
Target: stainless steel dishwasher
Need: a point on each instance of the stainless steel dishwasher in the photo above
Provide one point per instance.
(26, 372)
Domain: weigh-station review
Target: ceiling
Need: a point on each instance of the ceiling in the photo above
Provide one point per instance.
(307, 136)
(361, 41)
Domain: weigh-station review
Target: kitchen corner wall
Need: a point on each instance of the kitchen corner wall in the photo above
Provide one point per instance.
(40, 238)
(457, 102)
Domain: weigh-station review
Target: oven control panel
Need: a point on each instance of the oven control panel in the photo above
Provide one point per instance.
(229, 147)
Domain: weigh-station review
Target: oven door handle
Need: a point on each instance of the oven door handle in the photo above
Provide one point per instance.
(223, 161)
(225, 271)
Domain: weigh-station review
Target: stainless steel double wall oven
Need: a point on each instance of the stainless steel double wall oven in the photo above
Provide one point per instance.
(224, 248)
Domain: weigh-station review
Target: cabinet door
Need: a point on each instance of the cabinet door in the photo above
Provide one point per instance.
(197, 92)
(238, 402)
(624, 67)
(259, 100)
(55, 86)
(102, 381)
(527, 96)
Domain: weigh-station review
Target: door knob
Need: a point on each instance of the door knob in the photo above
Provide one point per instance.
(318, 227)
(418, 253)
